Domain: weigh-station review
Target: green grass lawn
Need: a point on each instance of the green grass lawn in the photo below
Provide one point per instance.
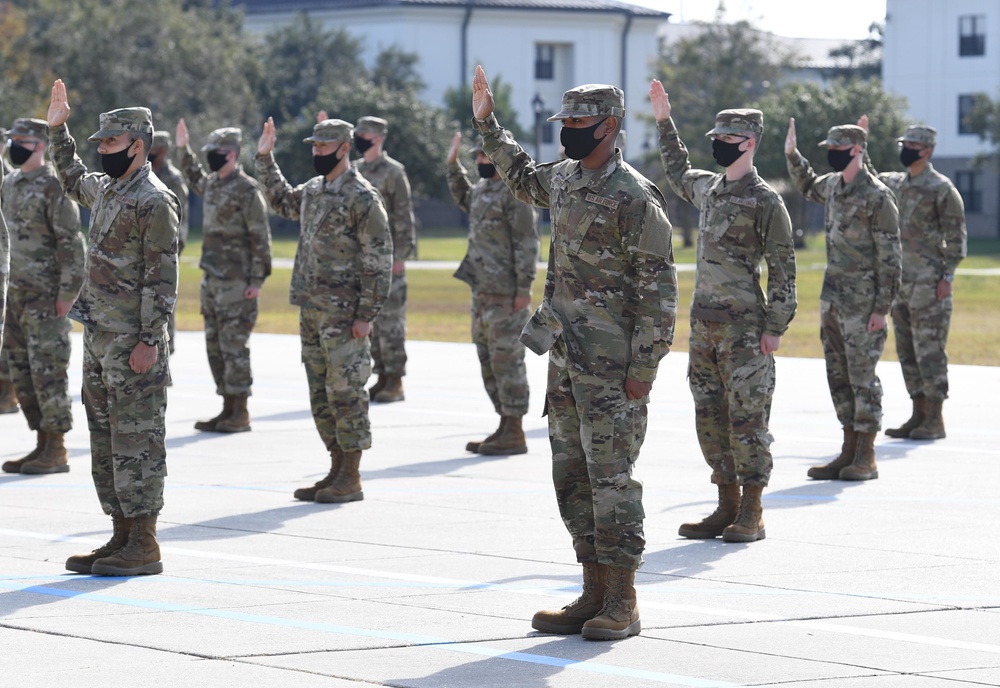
(438, 307)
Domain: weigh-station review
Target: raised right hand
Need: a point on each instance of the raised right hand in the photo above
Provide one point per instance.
(321, 116)
(456, 141)
(181, 137)
(660, 100)
(790, 141)
(267, 138)
(863, 122)
(482, 96)
(59, 107)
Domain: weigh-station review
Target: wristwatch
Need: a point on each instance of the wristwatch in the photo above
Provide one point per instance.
(948, 278)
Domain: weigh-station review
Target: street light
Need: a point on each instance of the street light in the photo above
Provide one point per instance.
(539, 106)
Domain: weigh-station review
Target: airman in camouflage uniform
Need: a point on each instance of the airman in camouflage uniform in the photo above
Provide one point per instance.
(606, 318)
(130, 289)
(235, 259)
(159, 158)
(340, 279)
(860, 283)
(389, 331)
(500, 265)
(4, 258)
(735, 328)
(8, 399)
(933, 239)
(47, 269)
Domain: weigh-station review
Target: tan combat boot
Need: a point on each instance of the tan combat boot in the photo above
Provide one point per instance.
(8, 397)
(916, 418)
(749, 524)
(227, 410)
(52, 458)
(932, 427)
(712, 525)
(393, 390)
(570, 619)
(831, 471)
(510, 441)
(346, 486)
(308, 494)
(239, 419)
(863, 467)
(377, 387)
(139, 556)
(619, 618)
(83, 563)
(15, 466)
(474, 446)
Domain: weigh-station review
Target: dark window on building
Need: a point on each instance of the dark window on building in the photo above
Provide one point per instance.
(545, 61)
(965, 105)
(548, 128)
(970, 186)
(971, 35)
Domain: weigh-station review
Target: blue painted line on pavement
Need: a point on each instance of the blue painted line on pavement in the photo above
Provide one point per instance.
(414, 639)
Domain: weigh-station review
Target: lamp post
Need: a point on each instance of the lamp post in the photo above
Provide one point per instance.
(539, 106)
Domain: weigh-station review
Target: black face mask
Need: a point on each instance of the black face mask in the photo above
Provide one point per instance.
(487, 170)
(216, 160)
(19, 154)
(324, 164)
(839, 159)
(362, 144)
(907, 156)
(726, 153)
(579, 143)
(116, 164)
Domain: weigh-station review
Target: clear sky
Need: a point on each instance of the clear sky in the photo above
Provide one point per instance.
(847, 19)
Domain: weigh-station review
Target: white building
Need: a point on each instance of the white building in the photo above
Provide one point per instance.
(539, 47)
(941, 56)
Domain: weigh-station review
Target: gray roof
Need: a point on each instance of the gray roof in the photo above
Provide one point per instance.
(612, 6)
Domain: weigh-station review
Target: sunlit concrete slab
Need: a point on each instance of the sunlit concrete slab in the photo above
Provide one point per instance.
(432, 579)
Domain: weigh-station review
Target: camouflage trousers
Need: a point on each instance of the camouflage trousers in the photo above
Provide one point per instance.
(337, 368)
(37, 349)
(389, 332)
(920, 323)
(125, 414)
(496, 327)
(732, 384)
(851, 352)
(229, 320)
(595, 434)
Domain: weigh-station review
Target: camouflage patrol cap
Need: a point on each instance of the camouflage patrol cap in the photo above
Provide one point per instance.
(137, 119)
(226, 137)
(919, 133)
(743, 122)
(845, 135)
(331, 130)
(591, 100)
(161, 139)
(477, 147)
(33, 128)
(372, 125)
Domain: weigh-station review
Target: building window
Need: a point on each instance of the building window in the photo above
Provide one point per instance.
(970, 186)
(545, 61)
(548, 130)
(966, 104)
(971, 35)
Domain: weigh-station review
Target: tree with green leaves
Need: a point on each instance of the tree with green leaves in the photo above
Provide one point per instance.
(180, 62)
(864, 57)
(816, 108)
(723, 65)
(457, 106)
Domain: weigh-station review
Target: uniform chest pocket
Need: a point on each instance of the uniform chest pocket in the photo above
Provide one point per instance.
(739, 229)
(100, 228)
(584, 220)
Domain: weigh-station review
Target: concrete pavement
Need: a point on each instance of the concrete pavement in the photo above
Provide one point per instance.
(431, 581)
